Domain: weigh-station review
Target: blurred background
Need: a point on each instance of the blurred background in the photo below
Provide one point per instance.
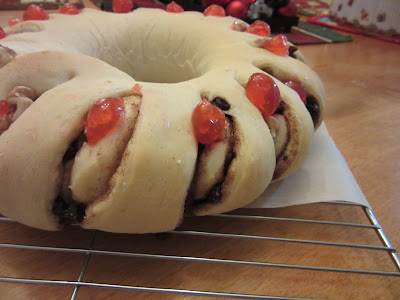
(303, 21)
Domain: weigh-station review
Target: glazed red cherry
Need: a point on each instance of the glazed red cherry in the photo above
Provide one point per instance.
(68, 9)
(3, 34)
(14, 21)
(4, 108)
(35, 12)
(103, 117)
(122, 6)
(259, 28)
(208, 122)
(214, 10)
(174, 8)
(263, 92)
(278, 45)
(299, 87)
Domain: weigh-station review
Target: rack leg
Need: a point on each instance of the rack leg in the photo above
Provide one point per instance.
(382, 236)
(84, 266)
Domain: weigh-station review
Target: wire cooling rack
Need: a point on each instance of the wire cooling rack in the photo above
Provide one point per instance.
(238, 219)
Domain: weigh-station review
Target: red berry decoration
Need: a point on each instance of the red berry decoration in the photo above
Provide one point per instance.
(68, 9)
(278, 45)
(35, 12)
(122, 6)
(3, 34)
(208, 122)
(259, 28)
(4, 108)
(237, 9)
(214, 10)
(14, 21)
(298, 86)
(103, 117)
(174, 8)
(263, 92)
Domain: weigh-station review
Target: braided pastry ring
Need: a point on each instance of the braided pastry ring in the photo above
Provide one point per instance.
(156, 173)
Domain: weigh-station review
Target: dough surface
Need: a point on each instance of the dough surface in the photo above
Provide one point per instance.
(141, 177)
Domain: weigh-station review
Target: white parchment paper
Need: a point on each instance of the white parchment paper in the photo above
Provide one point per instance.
(324, 176)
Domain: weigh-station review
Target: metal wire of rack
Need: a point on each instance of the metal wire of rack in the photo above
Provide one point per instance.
(91, 250)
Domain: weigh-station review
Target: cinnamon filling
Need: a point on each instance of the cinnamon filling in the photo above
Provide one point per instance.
(313, 108)
(6, 55)
(87, 169)
(311, 102)
(221, 103)
(68, 212)
(18, 100)
(65, 208)
(280, 108)
(74, 147)
(213, 194)
(279, 128)
(292, 50)
(95, 165)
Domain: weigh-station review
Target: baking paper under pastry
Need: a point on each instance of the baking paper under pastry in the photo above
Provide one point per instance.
(325, 176)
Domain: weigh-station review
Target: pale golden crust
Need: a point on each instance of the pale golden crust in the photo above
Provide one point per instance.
(94, 166)
(32, 149)
(211, 163)
(253, 149)
(147, 190)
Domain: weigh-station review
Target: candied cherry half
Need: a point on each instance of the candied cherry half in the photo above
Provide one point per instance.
(263, 92)
(3, 34)
(259, 28)
(299, 87)
(14, 21)
(4, 108)
(68, 9)
(103, 118)
(278, 45)
(208, 122)
(174, 8)
(122, 6)
(35, 12)
(214, 10)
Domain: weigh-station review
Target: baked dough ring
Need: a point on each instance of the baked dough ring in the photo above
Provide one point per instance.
(148, 190)
(153, 174)
(166, 51)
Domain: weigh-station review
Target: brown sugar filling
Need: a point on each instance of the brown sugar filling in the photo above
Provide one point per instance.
(214, 194)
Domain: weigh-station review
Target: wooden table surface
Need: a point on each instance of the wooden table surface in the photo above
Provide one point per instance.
(363, 107)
